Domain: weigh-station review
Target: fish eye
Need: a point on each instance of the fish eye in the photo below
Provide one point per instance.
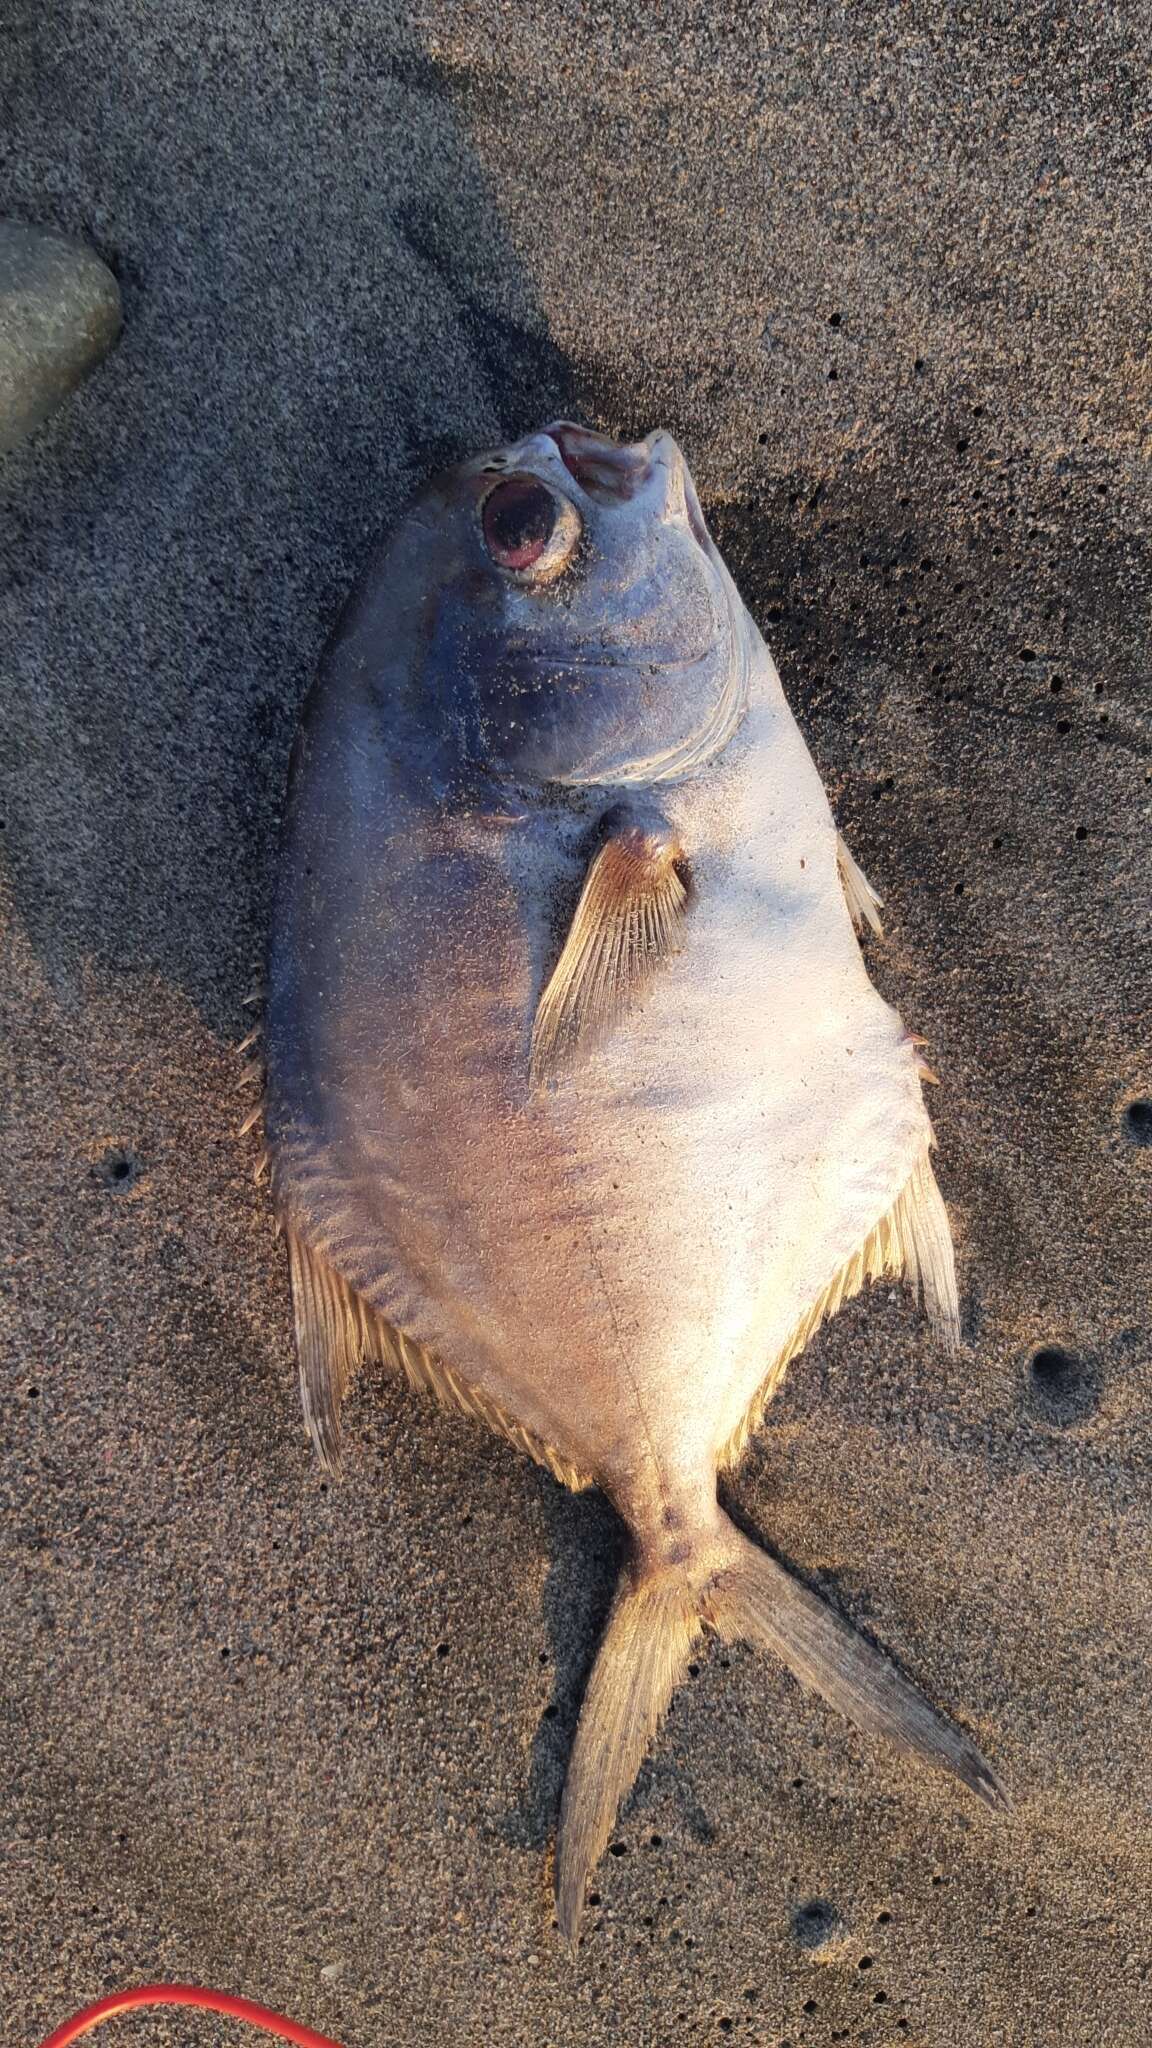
(529, 530)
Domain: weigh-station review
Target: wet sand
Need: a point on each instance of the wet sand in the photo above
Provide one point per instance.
(887, 281)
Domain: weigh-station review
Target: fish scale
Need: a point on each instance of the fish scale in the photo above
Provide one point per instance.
(582, 1110)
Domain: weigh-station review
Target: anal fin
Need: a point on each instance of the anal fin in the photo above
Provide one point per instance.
(333, 1335)
(337, 1330)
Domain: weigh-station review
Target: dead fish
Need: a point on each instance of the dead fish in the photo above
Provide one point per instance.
(582, 1110)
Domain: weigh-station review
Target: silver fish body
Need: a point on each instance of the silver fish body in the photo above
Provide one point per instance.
(582, 1108)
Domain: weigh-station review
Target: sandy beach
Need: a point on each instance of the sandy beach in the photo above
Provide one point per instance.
(884, 273)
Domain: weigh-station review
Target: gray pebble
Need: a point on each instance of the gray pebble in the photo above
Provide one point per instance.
(59, 316)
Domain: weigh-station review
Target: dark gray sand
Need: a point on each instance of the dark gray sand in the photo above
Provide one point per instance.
(884, 271)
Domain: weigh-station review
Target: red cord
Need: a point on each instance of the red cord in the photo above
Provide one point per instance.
(186, 1994)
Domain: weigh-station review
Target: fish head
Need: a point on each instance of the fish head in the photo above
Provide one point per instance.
(583, 627)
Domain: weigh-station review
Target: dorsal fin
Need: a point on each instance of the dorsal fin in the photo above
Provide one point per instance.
(864, 905)
(912, 1240)
(626, 923)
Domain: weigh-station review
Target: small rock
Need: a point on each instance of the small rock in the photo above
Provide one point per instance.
(59, 316)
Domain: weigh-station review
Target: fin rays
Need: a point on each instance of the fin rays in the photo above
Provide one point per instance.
(651, 1633)
(336, 1329)
(911, 1239)
(626, 924)
(757, 1601)
(864, 905)
(727, 1583)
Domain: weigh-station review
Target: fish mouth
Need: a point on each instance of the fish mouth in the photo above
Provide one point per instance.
(614, 471)
(611, 471)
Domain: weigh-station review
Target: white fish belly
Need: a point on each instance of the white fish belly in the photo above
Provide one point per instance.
(759, 1115)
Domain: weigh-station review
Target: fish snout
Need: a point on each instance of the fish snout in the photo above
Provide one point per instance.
(650, 474)
(607, 470)
(614, 472)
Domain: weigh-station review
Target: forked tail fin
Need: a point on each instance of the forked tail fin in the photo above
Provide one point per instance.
(737, 1590)
(757, 1601)
(652, 1631)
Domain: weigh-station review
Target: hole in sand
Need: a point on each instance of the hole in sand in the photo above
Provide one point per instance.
(1138, 1122)
(117, 1169)
(815, 1923)
(1062, 1388)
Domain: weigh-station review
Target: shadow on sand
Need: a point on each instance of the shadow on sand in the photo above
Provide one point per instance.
(330, 312)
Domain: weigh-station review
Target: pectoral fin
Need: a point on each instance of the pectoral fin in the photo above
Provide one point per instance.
(626, 924)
